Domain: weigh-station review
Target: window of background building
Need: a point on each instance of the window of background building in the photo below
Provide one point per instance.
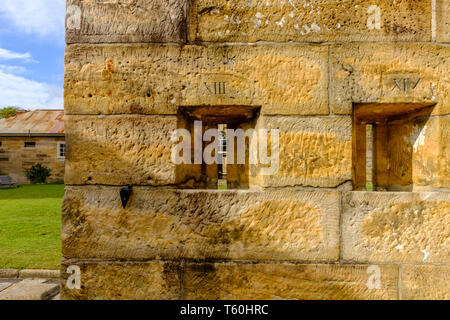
(61, 150)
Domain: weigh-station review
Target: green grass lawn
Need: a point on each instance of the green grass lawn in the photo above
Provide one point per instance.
(30, 226)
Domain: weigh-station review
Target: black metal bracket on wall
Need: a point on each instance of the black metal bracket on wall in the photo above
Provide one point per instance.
(125, 194)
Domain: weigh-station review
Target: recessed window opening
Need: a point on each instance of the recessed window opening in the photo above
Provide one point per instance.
(30, 144)
(225, 172)
(384, 135)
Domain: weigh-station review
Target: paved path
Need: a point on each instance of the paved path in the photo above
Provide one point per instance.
(29, 289)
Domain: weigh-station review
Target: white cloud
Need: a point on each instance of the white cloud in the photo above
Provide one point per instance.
(12, 69)
(10, 55)
(41, 17)
(19, 91)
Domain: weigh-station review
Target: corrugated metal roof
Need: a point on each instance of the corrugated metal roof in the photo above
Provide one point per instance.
(36, 121)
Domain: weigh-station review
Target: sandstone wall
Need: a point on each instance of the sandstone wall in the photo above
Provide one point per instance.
(301, 233)
(14, 157)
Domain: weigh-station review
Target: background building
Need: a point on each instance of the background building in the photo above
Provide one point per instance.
(32, 137)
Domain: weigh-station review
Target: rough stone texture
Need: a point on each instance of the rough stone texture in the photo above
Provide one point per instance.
(425, 282)
(154, 79)
(396, 227)
(9, 273)
(5, 284)
(156, 280)
(57, 297)
(312, 21)
(35, 273)
(367, 74)
(107, 21)
(14, 158)
(30, 289)
(312, 151)
(430, 162)
(443, 20)
(120, 150)
(167, 224)
(230, 281)
(137, 150)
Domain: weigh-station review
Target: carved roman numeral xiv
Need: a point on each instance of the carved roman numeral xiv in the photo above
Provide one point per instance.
(406, 84)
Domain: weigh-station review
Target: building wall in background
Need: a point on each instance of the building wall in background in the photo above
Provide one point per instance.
(15, 157)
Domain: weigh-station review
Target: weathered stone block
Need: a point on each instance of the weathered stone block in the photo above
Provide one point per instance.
(9, 273)
(172, 224)
(396, 227)
(313, 152)
(425, 282)
(154, 280)
(154, 79)
(230, 281)
(443, 20)
(431, 158)
(120, 150)
(108, 21)
(384, 73)
(30, 289)
(137, 150)
(312, 21)
(39, 273)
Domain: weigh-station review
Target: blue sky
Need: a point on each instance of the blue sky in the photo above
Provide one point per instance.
(32, 53)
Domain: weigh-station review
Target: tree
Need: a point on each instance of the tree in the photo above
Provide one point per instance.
(9, 112)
